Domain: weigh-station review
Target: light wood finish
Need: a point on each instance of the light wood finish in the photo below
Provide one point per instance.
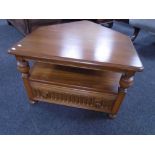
(79, 64)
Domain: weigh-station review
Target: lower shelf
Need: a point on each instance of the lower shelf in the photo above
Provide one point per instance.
(73, 97)
(82, 88)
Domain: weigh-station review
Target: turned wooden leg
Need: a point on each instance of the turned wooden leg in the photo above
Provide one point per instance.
(125, 82)
(135, 34)
(23, 67)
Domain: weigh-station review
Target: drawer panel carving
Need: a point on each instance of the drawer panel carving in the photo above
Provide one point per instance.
(73, 97)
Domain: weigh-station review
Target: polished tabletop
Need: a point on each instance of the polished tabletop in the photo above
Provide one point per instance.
(81, 41)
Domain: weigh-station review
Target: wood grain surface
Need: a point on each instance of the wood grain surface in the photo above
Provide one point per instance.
(80, 42)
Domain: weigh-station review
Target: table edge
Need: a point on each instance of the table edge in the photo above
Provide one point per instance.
(82, 62)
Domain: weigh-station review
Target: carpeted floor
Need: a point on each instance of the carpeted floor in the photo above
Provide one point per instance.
(17, 116)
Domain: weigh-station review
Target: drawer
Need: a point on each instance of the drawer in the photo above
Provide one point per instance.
(68, 96)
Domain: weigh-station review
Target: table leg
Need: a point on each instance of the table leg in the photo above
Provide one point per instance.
(23, 67)
(125, 82)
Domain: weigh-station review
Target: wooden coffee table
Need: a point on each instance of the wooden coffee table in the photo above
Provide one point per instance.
(79, 64)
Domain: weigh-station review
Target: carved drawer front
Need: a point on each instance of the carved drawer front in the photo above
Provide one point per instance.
(73, 97)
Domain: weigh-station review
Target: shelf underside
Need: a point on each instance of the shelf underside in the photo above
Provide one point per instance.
(93, 80)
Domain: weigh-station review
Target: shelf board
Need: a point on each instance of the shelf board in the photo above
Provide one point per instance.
(86, 79)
